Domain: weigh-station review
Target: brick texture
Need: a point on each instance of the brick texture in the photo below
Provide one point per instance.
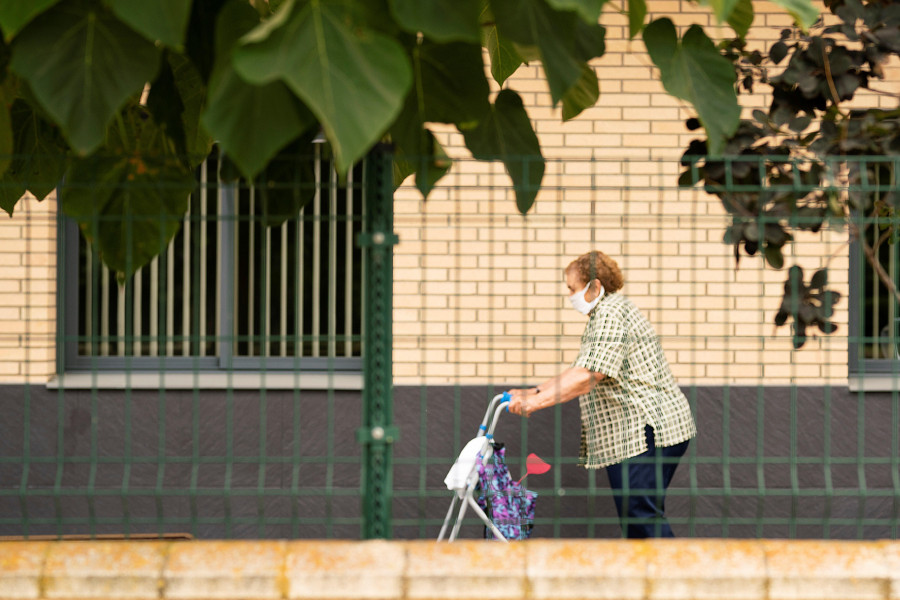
(484, 283)
(28, 292)
(478, 287)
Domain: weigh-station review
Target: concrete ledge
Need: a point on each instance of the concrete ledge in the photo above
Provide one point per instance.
(236, 570)
(21, 568)
(566, 569)
(343, 569)
(202, 380)
(103, 569)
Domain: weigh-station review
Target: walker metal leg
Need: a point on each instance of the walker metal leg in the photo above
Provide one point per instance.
(448, 517)
(459, 520)
(470, 501)
(487, 521)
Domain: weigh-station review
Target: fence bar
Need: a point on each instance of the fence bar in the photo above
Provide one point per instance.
(186, 281)
(266, 291)
(283, 302)
(104, 311)
(170, 300)
(89, 299)
(300, 256)
(251, 274)
(378, 432)
(138, 311)
(226, 200)
(219, 449)
(204, 240)
(348, 269)
(120, 320)
(332, 263)
(154, 307)
(316, 261)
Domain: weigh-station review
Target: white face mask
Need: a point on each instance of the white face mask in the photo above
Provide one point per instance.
(582, 305)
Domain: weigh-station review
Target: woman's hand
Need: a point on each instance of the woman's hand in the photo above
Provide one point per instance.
(518, 404)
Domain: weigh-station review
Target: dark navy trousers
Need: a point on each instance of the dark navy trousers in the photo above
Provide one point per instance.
(639, 489)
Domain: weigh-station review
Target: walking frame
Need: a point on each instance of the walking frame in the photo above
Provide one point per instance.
(463, 476)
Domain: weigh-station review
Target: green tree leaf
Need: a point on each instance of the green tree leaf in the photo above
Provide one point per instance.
(803, 11)
(166, 106)
(449, 87)
(128, 217)
(590, 41)
(721, 8)
(416, 150)
(505, 59)
(17, 14)
(428, 168)
(233, 21)
(192, 91)
(163, 20)
(534, 23)
(401, 170)
(450, 83)
(129, 198)
(507, 135)
(277, 117)
(693, 70)
(661, 41)
(6, 138)
(588, 10)
(288, 182)
(11, 186)
(741, 18)
(582, 95)
(331, 65)
(73, 82)
(177, 99)
(774, 257)
(440, 20)
(204, 27)
(40, 158)
(637, 12)
(11, 191)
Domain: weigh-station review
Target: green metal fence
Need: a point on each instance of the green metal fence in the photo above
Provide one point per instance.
(317, 377)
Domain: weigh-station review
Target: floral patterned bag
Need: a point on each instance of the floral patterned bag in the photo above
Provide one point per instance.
(507, 504)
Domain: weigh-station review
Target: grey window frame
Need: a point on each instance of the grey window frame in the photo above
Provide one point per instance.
(69, 361)
(859, 368)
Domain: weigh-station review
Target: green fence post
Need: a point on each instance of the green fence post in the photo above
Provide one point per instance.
(378, 432)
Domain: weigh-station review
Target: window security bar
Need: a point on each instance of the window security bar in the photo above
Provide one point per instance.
(294, 288)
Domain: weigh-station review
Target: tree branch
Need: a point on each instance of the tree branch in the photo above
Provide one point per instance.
(883, 275)
(834, 95)
(262, 7)
(836, 253)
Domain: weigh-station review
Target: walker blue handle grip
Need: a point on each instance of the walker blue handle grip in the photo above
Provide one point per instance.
(505, 400)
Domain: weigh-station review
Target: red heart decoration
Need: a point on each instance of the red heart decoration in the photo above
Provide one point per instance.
(534, 464)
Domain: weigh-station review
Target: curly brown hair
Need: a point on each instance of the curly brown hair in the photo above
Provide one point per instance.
(597, 265)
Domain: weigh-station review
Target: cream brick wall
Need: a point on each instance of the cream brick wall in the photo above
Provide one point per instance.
(478, 288)
(28, 292)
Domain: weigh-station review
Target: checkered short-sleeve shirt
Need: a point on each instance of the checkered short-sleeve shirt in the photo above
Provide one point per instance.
(638, 389)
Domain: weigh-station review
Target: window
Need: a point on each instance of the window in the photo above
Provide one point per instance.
(874, 310)
(229, 292)
(874, 314)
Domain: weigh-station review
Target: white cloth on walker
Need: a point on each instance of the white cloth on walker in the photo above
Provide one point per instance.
(464, 467)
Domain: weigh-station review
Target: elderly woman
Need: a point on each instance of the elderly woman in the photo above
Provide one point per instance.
(635, 421)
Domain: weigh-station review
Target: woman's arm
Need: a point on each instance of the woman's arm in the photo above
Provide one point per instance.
(569, 384)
